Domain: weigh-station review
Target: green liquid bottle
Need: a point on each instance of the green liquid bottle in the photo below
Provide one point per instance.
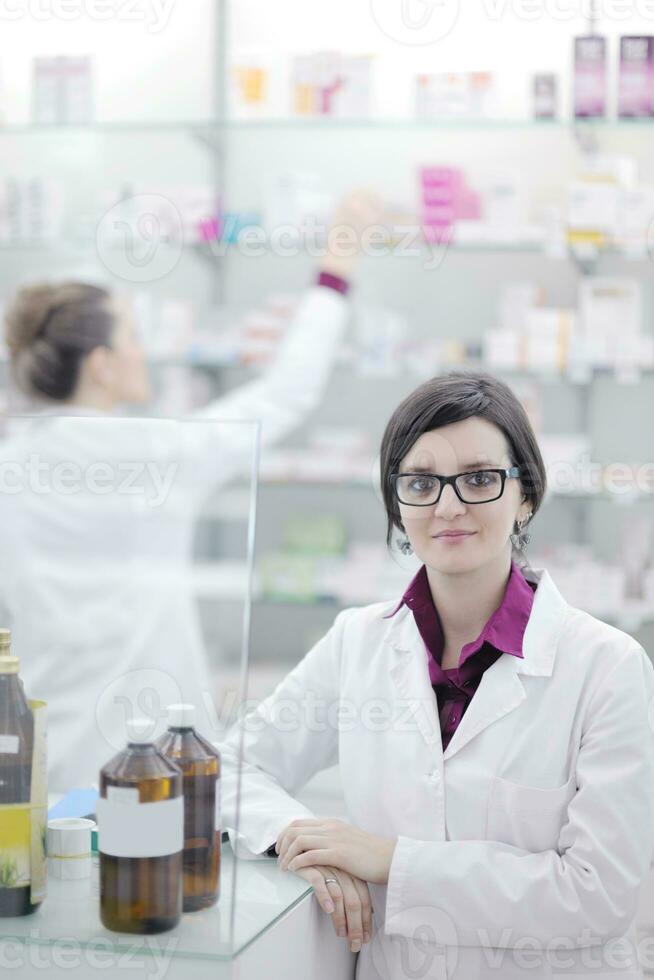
(22, 841)
(140, 837)
(200, 764)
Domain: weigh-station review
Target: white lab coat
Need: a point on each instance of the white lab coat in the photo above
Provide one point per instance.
(98, 591)
(522, 848)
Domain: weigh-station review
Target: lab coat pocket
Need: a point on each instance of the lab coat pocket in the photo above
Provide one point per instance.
(528, 817)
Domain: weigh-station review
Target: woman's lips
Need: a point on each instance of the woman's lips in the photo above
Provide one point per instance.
(454, 536)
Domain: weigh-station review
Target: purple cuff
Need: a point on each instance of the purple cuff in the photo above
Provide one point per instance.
(341, 286)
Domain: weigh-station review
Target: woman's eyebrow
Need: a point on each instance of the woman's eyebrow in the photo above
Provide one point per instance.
(481, 463)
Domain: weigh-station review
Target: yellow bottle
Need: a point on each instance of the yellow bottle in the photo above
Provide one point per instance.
(140, 837)
(23, 791)
(200, 764)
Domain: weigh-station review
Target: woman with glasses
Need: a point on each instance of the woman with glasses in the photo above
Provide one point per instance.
(496, 744)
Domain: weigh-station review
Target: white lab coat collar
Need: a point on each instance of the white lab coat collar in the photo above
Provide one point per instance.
(500, 690)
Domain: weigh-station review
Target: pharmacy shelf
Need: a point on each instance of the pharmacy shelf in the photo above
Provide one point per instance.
(263, 124)
(109, 127)
(583, 377)
(227, 582)
(233, 505)
(218, 251)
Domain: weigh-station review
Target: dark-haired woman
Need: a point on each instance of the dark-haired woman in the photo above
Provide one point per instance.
(99, 637)
(495, 744)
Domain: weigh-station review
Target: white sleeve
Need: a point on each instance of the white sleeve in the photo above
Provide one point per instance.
(285, 394)
(491, 890)
(290, 736)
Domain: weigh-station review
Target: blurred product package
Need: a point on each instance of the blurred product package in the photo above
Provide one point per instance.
(328, 83)
(545, 96)
(63, 90)
(31, 210)
(170, 213)
(590, 74)
(455, 95)
(636, 77)
(249, 84)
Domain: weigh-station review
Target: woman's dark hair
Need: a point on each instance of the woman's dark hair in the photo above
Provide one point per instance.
(50, 328)
(451, 398)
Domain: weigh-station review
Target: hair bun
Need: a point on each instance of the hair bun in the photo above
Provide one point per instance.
(49, 328)
(27, 315)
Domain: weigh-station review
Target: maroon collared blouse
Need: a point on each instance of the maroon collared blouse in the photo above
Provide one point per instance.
(503, 633)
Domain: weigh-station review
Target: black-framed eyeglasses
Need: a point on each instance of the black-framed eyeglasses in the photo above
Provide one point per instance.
(473, 487)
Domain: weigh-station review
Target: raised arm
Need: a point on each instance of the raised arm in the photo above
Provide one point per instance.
(294, 385)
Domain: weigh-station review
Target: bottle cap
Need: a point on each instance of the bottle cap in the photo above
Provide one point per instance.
(8, 663)
(140, 731)
(181, 715)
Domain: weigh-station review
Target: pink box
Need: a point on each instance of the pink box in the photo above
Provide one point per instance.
(444, 214)
(441, 177)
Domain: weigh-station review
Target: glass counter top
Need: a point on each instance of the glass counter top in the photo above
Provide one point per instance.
(71, 914)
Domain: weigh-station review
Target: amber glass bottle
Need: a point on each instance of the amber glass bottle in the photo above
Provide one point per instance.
(16, 749)
(200, 763)
(141, 837)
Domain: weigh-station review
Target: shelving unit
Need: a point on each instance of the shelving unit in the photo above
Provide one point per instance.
(237, 154)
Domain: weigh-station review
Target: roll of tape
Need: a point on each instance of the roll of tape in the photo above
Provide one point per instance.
(69, 838)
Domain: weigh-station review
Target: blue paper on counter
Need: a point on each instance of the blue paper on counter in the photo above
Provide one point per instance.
(77, 803)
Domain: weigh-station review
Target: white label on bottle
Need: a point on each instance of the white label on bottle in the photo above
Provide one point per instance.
(146, 830)
(9, 744)
(123, 794)
(218, 824)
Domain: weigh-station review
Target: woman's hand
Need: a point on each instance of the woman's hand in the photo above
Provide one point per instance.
(354, 217)
(337, 844)
(347, 900)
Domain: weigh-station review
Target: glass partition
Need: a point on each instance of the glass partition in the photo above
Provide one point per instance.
(126, 565)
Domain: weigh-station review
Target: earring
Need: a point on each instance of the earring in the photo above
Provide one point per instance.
(405, 546)
(521, 538)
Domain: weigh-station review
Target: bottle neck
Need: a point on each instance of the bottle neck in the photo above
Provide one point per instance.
(11, 688)
(140, 748)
